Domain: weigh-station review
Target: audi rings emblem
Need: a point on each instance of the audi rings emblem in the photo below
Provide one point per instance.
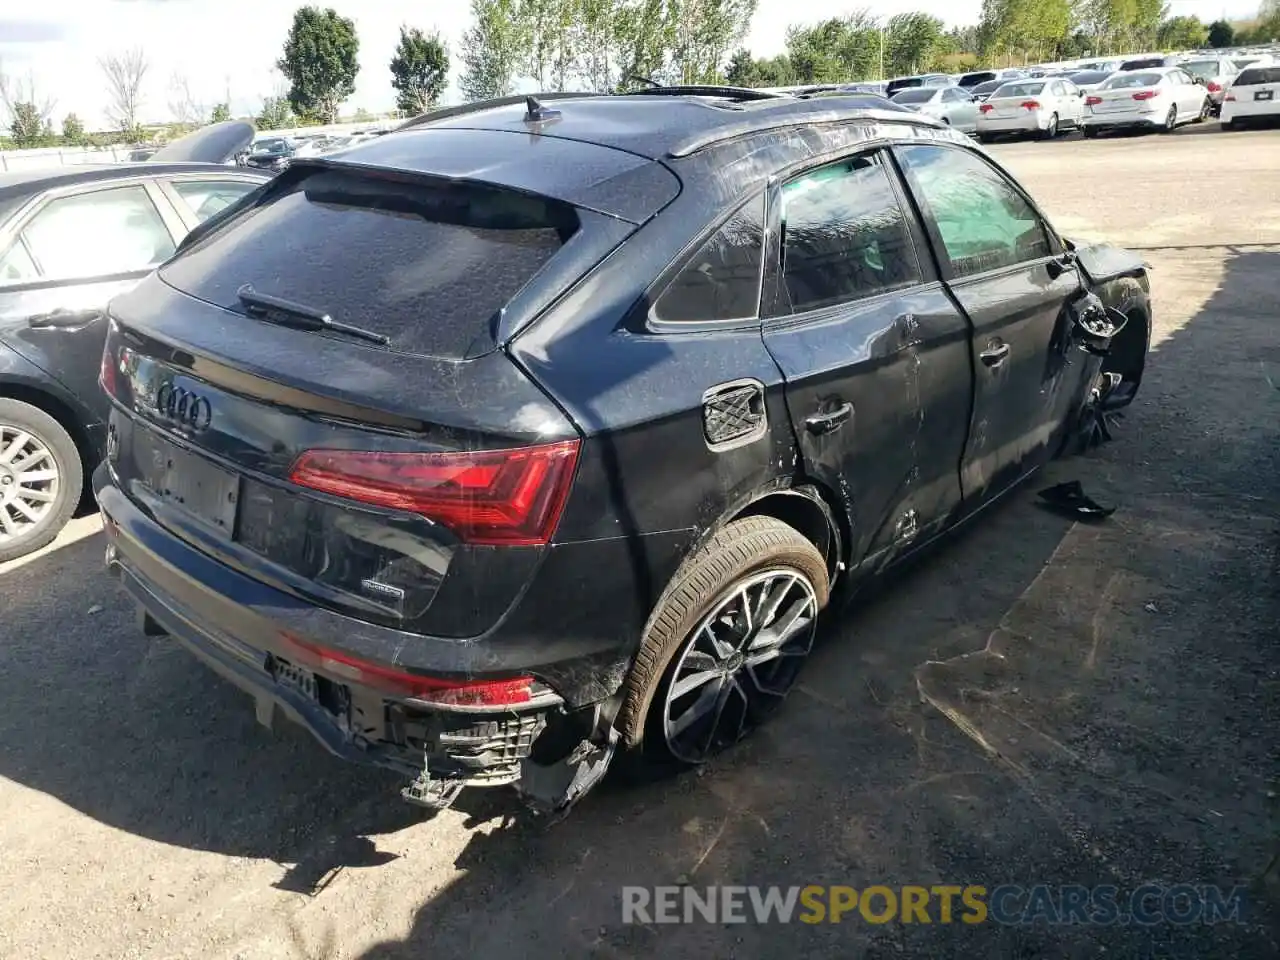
(183, 407)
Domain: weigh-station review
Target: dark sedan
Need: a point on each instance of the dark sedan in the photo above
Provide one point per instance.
(70, 240)
(533, 433)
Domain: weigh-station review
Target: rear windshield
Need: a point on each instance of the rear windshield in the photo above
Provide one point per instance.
(1253, 76)
(1204, 69)
(987, 87)
(1131, 81)
(1021, 89)
(915, 95)
(1089, 76)
(427, 265)
(1142, 64)
(970, 79)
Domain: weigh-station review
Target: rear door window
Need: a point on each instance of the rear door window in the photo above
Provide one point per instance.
(204, 198)
(428, 264)
(1255, 76)
(722, 280)
(844, 236)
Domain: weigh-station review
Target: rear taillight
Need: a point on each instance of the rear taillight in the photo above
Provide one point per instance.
(107, 373)
(986, 108)
(1092, 101)
(1213, 86)
(459, 693)
(504, 497)
(1031, 104)
(1144, 95)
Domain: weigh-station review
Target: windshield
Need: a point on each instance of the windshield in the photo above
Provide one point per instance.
(1089, 76)
(1131, 81)
(915, 95)
(972, 79)
(987, 87)
(268, 146)
(1204, 69)
(1020, 89)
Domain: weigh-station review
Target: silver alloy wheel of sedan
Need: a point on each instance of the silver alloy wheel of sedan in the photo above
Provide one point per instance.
(29, 482)
(741, 659)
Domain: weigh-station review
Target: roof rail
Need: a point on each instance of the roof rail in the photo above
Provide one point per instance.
(432, 116)
(705, 90)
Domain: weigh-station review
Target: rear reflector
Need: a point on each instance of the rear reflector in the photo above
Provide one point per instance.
(501, 497)
(460, 693)
(986, 108)
(1092, 101)
(1144, 95)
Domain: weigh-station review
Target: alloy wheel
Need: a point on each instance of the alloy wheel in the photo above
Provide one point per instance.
(741, 660)
(28, 482)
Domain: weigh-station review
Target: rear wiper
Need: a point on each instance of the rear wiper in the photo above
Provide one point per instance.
(286, 313)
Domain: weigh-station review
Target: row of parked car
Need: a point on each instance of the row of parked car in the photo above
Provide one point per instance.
(1155, 92)
(273, 152)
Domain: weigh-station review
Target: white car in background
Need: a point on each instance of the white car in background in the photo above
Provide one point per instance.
(1217, 74)
(1160, 99)
(1253, 95)
(1040, 107)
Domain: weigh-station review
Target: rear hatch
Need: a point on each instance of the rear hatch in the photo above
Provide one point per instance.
(1256, 91)
(317, 395)
(1124, 94)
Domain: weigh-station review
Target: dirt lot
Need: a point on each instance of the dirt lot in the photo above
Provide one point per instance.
(1039, 703)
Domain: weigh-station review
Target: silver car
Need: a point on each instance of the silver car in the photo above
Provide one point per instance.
(951, 105)
(1216, 74)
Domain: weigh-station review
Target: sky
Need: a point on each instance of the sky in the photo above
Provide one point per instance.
(221, 46)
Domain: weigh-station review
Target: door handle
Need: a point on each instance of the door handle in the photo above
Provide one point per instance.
(831, 420)
(995, 354)
(63, 319)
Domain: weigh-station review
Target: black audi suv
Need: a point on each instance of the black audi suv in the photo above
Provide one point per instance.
(541, 431)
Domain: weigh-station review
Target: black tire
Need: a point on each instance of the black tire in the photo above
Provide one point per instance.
(67, 487)
(1170, 120)
(1232, 126)
(986, 138)
(1206, 110)
(1089, 132)
(1051, 131)
(746, 548)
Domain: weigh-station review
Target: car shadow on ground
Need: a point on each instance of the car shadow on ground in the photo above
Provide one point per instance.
(1039, 702)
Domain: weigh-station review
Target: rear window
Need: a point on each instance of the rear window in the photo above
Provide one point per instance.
(972, 79)
(915, 95)
(1253, 76)
(1132, 81)
(428, 265)
(987, 87)
(1143, 64)
(1018, 90)
(1089, 76)
(1204, 69)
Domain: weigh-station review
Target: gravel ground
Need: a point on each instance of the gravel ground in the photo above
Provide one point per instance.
(1040, 702)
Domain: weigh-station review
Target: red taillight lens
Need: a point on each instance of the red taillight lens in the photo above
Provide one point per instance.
(1031, 104)
(107, 373)
(460, 693)
(1092, 101)
(507, 497)
(1144, 95)
(1231, 97)
(1213, 86)
(986, 108)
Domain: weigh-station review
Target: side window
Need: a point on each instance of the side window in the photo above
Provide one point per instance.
(98, 234)
(722, 280)
(985, 223)
(16, 266)
(206, 197)
(844, 235)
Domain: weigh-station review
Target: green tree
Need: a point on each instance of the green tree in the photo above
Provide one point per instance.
(493, 49)
(26, 125)
(911, 41)
(1182, 33)
(321, 60)
(221, 112)
(836, 50)
(275, 114)
(419, 70)
(596, 48)
(643, 37)
(746, 71)
(703, 32)
(1221, 34)
(73, 130)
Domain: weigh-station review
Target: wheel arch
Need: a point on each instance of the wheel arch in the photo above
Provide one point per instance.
(58, 408)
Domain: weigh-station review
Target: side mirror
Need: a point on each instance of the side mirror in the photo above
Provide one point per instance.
(1095, 326)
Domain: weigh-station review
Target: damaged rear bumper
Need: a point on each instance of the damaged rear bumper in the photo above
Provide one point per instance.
(550, 753)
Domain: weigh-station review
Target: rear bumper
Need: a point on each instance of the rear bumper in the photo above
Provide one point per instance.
(1129, 121)
(1011, 125)
(188, 596)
